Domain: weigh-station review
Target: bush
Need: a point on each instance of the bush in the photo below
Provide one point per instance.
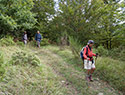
(102, 51)
(111, 71)
(24, 58)
(2, 69)
(20, 43)
(44, 42)
(117, 53)
(7, 41)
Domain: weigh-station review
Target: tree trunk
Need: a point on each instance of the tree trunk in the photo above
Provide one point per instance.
(107, 44)
(110, 44)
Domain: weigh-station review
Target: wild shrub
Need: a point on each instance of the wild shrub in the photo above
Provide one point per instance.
(75, 46)
(44, 42)
(7, 41)
(117, 53)
(24, 58)
(102, 51)
(111, 71)
(20, 43)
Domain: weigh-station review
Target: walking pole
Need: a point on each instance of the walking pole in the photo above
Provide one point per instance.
(96, 57)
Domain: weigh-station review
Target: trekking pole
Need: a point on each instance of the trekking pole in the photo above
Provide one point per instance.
(96, 57)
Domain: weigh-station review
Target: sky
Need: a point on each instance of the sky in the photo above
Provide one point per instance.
(57, 6)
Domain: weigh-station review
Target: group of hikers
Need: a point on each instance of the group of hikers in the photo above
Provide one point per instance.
(88, 61)
(86, 54)
(38, 38)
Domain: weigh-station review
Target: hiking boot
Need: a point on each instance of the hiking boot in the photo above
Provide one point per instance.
(90, 77)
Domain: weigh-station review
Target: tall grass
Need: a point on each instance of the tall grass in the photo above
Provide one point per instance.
(28, 79)
(107, 69)
(7, 41)
(75, 46)
(111, 71)
(116, 53)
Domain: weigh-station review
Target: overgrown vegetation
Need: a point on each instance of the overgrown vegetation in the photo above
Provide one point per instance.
(107, 69)
(75, 46)
(7, 41)
(27, 75)
(116, 53)
(112, 71)
(24, 58)
(82, 20)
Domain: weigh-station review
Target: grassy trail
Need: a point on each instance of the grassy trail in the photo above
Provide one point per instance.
(58, 74)
(74, 78)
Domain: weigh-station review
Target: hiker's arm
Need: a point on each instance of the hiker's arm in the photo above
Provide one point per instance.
(84, 53)
(93, 54)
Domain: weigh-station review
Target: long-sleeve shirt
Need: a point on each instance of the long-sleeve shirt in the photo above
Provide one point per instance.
(90, 54)
(25, 37)
(38, 37)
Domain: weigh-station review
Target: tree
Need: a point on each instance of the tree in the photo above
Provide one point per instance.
(16, 15)
(86, 20)
(45, 12)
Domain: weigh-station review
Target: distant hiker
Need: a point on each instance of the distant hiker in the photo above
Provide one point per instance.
(89, 64)
(38, 38)
(25, 37)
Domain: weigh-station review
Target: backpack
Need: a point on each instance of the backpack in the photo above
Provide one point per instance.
(81, 52)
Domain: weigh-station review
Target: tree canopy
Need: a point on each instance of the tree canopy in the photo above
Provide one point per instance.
(100, 20)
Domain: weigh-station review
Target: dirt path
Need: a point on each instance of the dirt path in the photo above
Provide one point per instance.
(46, 59)
(73, 79)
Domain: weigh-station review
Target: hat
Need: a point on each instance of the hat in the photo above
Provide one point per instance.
(90, 42)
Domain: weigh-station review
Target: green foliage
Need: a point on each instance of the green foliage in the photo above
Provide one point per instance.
(44, 42)
(73, 64)
(44, 10)
(7, 41)
(33, 43)
(117, 53)
(112, 72)
(16, 15)
(20, 43)
(24, 58)
(102, 51)
(75, 46)
(85, 20)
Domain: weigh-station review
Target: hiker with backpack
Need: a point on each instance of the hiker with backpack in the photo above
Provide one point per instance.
(87, 57)
(25, 38)
(38, 38)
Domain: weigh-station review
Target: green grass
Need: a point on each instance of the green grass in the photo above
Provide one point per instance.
(59, 73)
(30, 80)
(76, 63)
(107, 69)
(112, 71)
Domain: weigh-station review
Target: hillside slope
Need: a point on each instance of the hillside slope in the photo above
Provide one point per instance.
(56, 75)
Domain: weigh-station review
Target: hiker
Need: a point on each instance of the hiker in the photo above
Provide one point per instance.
(25, 37)
(38, 38)
(89, 64)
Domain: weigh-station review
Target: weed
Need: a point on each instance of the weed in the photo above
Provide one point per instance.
(24, 58)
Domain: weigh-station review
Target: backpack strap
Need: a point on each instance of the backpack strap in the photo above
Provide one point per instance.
(87, 51)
